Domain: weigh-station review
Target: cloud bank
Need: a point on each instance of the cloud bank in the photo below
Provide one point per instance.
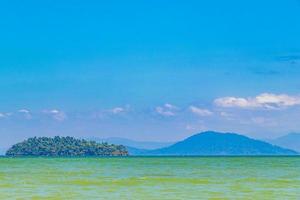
(56, 114)
(200, 111)
(166, 110)
(265, 101)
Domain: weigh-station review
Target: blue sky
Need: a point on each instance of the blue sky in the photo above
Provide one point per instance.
(159, 70)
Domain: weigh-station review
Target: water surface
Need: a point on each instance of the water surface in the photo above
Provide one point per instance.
(150, 178)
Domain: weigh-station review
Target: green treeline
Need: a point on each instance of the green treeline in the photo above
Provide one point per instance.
(64, 146)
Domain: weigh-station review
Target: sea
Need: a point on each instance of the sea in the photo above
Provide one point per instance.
(130, 178)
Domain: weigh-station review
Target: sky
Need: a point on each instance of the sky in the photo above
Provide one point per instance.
(148, 70)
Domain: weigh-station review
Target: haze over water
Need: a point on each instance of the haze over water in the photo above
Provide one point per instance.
(150, 178)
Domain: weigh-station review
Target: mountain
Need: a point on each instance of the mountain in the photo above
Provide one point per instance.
(136, 152)
(133, 144)
(214, 143)
(2, 151)
(290, 141)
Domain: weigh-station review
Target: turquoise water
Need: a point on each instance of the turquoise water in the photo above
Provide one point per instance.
(150, 178)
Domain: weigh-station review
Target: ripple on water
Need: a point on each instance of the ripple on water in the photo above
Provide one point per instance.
(151, 178)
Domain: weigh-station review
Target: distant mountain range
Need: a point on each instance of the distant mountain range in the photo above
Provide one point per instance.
(138, 145)
(290, 141)
(2, 151)
(214, 143)
(209, 143)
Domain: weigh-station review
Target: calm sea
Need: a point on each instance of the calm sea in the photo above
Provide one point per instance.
(150, 178)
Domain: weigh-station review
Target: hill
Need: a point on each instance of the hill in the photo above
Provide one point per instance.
(136, 152)
(147, 145)
(64, 146)
(291, 141)
(214, 143)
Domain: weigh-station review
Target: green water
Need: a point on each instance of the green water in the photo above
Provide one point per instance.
(150, 178)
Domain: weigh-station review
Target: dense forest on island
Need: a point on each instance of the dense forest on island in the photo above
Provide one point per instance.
(64, 147)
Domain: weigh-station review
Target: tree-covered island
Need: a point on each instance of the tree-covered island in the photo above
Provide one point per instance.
(64, 147)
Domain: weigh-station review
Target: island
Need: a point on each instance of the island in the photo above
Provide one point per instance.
(64, 147)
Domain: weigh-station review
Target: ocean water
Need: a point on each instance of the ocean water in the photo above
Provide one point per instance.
(150, 178)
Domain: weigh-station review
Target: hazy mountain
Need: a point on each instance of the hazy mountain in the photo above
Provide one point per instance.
(213, 143)
(136, 152)
(134, 144)
(2, 151)
(291, 141)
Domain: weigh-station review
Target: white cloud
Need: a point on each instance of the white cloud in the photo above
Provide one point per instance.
(163, 112)
(170, 106)
(54, 111)
(200, 111)
(166, 110)
(26, 113)
(56, 114)
(5, 115)
(227, 116)
(265, 100)
(117, 110)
